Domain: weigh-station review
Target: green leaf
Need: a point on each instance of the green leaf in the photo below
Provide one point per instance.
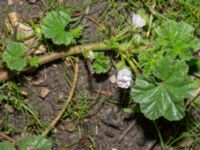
(164, 97)
(7, 146)
(33, 61)
(101, 63)
(121, 64)
(112, 43)
(177, 39)
(33, 142)
(148, 60)
(13, 56)
(77, 32)
(55, 26)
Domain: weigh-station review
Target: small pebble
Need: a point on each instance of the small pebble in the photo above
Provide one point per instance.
(109, 134)
(44, 92)
(24, 93)
(38, 82)
(113, 79)
(71, 127)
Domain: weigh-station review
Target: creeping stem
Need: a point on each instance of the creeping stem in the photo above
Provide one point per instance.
(74, 50)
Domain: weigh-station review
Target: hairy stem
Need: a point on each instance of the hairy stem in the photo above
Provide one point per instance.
(75, 50)
(159, 136)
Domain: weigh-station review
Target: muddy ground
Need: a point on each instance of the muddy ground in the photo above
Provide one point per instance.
(106, 127)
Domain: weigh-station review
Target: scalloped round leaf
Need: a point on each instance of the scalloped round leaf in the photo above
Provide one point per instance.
(167, 69)
(166, 97)
(34, 142)
(177, 39)
(54, 27)
(158, 100)
(148, 60)
(13, 56)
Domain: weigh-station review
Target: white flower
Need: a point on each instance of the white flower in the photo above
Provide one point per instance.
(138, 21)
(124, 78)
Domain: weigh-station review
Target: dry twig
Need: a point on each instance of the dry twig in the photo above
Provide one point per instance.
(58, 117)
(126, 131)
(4, 136)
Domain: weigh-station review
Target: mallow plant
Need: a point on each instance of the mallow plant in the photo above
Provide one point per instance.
(165, 83)
(158, 70)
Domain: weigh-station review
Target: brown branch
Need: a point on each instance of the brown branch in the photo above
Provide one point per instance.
(58, 117)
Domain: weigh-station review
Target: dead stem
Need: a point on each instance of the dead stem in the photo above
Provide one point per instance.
(4, 136)
(58, 117)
